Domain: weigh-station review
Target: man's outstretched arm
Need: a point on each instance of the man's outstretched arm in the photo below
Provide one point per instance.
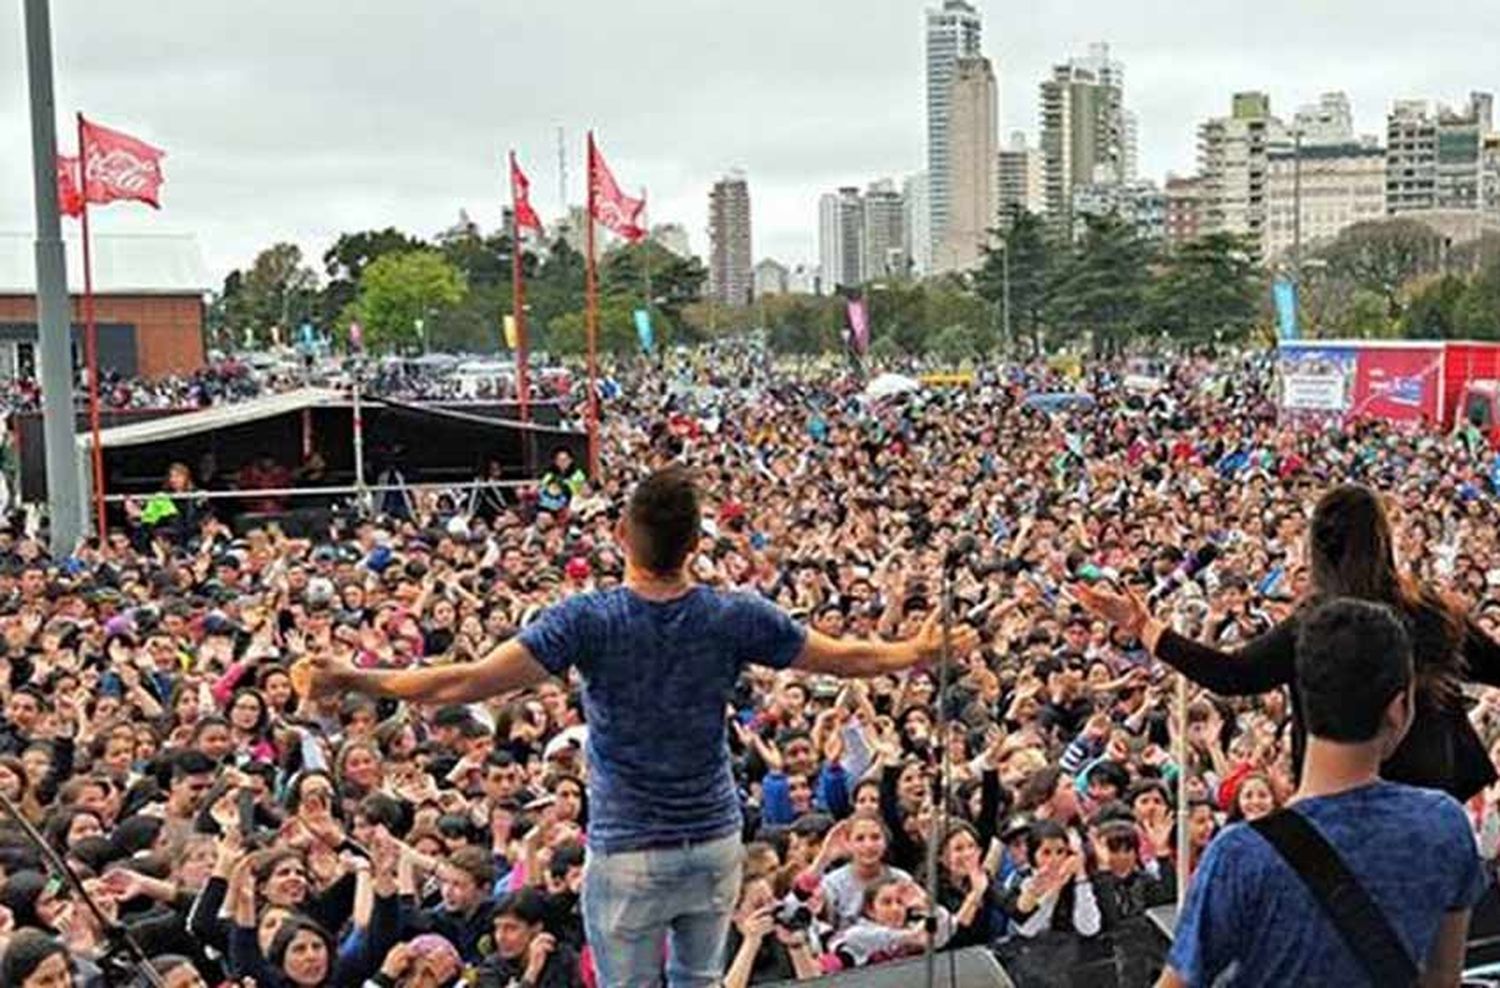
(852, 658)
(509, 666)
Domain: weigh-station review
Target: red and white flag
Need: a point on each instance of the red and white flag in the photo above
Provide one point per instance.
(69, 198)
(520, 198)
(613, 208)
(118, 166)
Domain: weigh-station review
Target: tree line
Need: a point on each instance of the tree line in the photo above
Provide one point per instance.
(1104, 288)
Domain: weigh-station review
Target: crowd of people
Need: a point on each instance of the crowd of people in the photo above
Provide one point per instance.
(241, 827)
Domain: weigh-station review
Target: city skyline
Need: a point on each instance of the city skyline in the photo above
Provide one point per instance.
(277, 134)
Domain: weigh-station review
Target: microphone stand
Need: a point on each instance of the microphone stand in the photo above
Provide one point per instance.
(118, 936)
(939, 817)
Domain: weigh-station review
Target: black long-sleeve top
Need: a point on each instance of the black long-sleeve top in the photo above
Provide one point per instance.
(330, 908)
(1440, 751)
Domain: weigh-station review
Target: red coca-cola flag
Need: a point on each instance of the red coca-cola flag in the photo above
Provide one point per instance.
(613, 208)
(69, 198)
(118, 166)
(520, 197)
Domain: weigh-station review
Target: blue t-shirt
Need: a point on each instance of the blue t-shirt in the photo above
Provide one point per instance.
(657, 679)
(1251, 920)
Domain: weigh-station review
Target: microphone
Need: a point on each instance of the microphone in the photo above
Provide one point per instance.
(962, 548)
(1190, 567)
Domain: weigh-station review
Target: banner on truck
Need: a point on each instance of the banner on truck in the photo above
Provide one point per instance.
(1399, 384)
(1317, 380)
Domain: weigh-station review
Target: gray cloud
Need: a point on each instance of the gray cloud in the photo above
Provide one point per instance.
(297, 120)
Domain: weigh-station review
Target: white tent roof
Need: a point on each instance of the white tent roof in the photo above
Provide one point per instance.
(216, 417)
(891, 384)
(124, 264)
(221, 416)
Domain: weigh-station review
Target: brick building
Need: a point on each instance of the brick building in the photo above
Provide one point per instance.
(148, 303)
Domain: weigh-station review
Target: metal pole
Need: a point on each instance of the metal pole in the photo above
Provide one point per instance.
(1005, 295)
(591, 323)
(518, 303)
(54, 333)
(362, 495)
(1179, 755)
(91, 340)
(1296, 212)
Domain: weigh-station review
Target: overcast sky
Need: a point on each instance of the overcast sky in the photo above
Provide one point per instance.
(298, 119)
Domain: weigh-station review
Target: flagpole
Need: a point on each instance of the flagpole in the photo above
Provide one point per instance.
(91, 338)
(646, 271)
(591, 321)
(518, 303)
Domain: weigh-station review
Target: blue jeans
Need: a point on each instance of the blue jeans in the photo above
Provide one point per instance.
(683, 897)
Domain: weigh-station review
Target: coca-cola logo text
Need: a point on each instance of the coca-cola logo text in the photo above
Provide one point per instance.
(124, 171)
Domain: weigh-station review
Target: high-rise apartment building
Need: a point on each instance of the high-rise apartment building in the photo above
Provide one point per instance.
(885, 232)
(1183, 194)
(972, 123)
(1436, 160)
(1314, 192)
(729, 268)
(1234, 163)
(841, 239)
(1018, 179)
(1328, 121)
(953, 32)
(1084, 130)
(915, 192)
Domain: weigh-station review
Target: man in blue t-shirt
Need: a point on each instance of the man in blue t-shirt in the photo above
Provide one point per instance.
(658, 659)
(1250, 920)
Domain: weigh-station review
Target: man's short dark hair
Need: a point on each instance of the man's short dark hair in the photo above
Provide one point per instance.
(525, 904)
(1353, 656)
(665, 519)
(192, 762)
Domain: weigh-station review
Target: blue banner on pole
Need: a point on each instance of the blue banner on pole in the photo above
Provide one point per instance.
(1284, 292)
(643, 330)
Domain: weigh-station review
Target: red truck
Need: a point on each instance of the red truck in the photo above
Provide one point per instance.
(1431, 384)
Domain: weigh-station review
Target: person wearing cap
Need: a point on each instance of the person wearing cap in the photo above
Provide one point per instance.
(660, 658)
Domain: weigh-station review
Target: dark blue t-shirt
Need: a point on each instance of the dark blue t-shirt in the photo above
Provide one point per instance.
(1250, 920)
(657, 680)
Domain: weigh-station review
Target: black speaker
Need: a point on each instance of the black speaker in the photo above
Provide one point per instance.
(973, 967)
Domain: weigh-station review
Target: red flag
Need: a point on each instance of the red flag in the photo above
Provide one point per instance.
(613, 208)
(117, 166)
(520, 197)
(69, 199)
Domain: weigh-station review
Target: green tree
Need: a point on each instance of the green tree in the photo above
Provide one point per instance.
(347, 259)
(1031, 273)
(885, 350)
(1381, 256)
(1431, 311)
(676, 282)
(803, 324)
(398, 290)
(277, 290)
(1367, 316)
(954, 344)
(483, 261)
(554, 289)
(1101, 285)
(568, 333)
(1208, 289)
(1478, 311)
